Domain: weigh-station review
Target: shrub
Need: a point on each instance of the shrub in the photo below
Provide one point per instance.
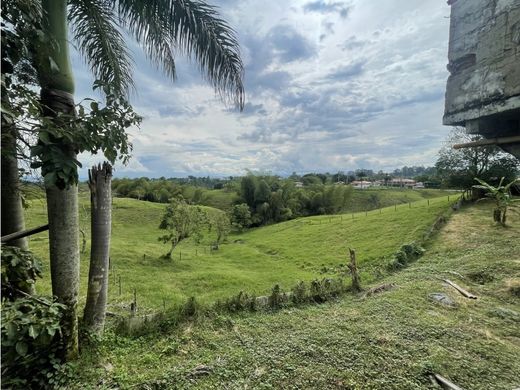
(31, 343)
(299, 293)
(405, 255)
(20, 269)
(276, 298)
(326, 289)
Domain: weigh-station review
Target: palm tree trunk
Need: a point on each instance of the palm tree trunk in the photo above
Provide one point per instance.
(56, 80)
(101, 220)
(12, 210)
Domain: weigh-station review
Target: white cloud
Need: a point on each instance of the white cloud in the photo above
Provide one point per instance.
(326, 90)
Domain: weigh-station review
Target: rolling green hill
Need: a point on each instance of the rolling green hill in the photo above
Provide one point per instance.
(394, 339)
(301, 249)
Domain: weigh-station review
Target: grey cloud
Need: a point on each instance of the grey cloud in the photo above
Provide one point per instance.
(289, 45)
(352, 43)
(347, 72)
(322, 6)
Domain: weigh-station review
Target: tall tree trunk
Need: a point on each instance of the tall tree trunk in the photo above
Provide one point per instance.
(101, 220)
(56, 80)
(12, 210)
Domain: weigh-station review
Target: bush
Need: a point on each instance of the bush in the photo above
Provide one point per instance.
(405, 255)
(20, 269)
(299, 293)
(326, 289)
(31, 343)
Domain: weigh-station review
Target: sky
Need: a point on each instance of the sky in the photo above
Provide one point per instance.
(330, 86)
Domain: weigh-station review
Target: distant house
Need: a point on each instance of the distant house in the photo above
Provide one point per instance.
(419, 184)
(361, 184)
(298, 184)
(400, 182)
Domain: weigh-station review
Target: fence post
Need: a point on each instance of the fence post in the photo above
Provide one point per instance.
(356, 285)
(428, 202)
(180, 255)
(119, 284)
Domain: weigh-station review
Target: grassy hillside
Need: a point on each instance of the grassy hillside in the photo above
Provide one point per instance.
(219, 199)
(374, 198)
(390, 340)
(301, 249)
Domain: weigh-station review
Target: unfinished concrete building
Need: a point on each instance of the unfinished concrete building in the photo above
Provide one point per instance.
(483, 89)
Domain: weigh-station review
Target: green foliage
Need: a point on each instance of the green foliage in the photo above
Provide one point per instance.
(96, 129)
(407, 254)
(237, 303)
(220, 224)
(325, 289)
(271, 199)
(20, 269)
(457, 168)
(240, 216)
(31, 342)
(277, 298)
(501, 194)
(181, 221)
(299, 293)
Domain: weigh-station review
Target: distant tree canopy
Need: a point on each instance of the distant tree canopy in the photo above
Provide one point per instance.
(458, 168)
(162, 190)
(271, 199)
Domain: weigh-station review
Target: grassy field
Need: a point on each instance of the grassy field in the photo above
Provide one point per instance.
(391, 340)
(301, 249)
(219, 199)
(374, 198)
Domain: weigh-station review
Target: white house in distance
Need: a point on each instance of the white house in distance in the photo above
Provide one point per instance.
(400, 182)
(361, 184)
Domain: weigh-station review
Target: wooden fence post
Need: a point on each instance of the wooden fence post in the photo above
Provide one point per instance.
(356, 285)
(120, 285)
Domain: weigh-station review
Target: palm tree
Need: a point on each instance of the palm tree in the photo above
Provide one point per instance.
(162, 28)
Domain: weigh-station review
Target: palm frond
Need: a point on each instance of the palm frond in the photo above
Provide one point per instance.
(95, 30)
(145, 20)
(195, 29)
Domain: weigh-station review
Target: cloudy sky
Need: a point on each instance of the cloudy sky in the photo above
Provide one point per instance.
(330, 85)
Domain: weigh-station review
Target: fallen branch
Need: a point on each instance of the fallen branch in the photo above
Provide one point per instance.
(445, 384)
(460, 289)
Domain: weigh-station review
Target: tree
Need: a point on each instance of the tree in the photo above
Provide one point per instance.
(161, 27)
(457, 168)
(101, 221)
(181, 221)
(240, 216)
(501, 194)
(220, 222)
(19, 29)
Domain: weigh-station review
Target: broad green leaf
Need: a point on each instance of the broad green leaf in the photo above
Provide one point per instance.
(21, 348)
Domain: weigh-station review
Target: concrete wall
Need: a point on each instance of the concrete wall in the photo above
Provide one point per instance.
(484, 62)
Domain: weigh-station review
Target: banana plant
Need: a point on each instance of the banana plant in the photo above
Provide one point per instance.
(501, 194)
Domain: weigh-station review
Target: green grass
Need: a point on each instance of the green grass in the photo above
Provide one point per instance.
(391, 340)
(374, 198)
(219, 199)
(301, 249)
